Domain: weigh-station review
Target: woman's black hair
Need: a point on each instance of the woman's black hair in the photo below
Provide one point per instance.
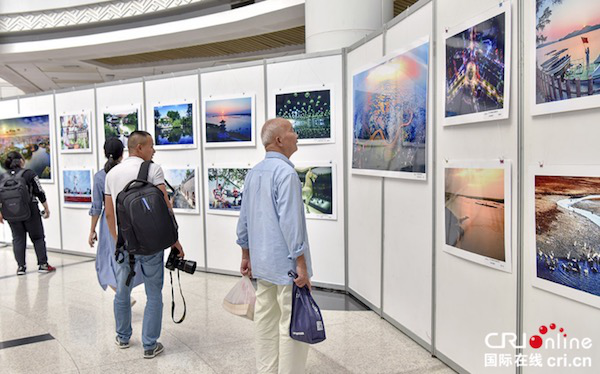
(113, 150)
(13, 160)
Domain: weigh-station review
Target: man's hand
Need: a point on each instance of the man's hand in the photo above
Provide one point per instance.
(46, 214)
(179, 248)
(246, 266)
(1, 219)
(303, 279)
(92, 238)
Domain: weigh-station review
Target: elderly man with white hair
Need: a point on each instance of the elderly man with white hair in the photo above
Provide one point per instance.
(272, 233)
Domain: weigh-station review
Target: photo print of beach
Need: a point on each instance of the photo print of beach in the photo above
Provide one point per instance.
(567, 55)
(476, 69)
(390, 116)
(225, 189)
(174, 126)
(119, 123)
(77, 188)
(477, 213)
(317, 190)
(30, 136)
(75, 133)
(567, 228)
(309, 112)
(229, 122)
(181, 188)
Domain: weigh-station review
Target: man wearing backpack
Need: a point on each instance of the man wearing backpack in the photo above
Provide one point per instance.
(141, 148)
(272, 233)
(19, 188)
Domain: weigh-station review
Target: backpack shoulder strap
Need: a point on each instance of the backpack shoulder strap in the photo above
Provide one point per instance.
(144, 169)
(20, 173)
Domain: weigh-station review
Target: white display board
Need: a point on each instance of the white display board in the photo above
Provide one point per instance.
(9, 109)
(76, 222)
(326, 237)
(44, 104)
(178, 90)
(548, 152)
(408, 213)
(364, 202)
(472, 301)
(223, 254)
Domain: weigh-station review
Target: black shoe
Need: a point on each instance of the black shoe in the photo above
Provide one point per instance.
(120, 344)
(46, 268)
(151, 353)
(21, 270)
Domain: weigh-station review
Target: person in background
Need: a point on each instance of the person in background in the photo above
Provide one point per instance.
(33, 226)
(106, 265)
(272, 233)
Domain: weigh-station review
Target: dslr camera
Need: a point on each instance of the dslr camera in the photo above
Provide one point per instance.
(174, 262)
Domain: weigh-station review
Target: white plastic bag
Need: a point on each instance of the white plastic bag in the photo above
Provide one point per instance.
(240, 300)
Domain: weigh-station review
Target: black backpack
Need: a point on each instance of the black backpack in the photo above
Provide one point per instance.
(14, 196)
(146, 226)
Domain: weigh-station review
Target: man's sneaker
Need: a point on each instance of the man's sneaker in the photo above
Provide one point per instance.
(21, 270)
(151, 353)
(120, 344)
(46, 268)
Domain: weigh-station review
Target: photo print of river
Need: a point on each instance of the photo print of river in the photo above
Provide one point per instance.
(181, 188)
(474, 211)
(567, 49)
(30, 136)
(229, 121)
(567, 226)
(390, 116)
(119, 123)
(174, 125)
(475, 68)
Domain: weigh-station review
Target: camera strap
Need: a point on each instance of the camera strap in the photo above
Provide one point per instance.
(173, 298)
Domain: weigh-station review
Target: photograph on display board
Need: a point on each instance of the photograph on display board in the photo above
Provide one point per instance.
(567, 55)
(390, 116)
(477, 66)
(477, 213)
(225, 189)
(182, 189)
(77, 188)
(309, 112)
(30, 136)
(229, 122)
(567, 227)
(75, 133)
(119, 123)
(317, 190)
(174, 126)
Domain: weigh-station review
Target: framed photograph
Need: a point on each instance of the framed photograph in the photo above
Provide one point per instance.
(174, 126)
(477, 58)
(477, 212)
(229, 121)
(565, 40)
(30, 136)
(76, 133)
(225, 188)
(390, 115)
(318, 189)
(182, 188)
(77, 188)
(120, 122)
(566, 255)
(309, 111)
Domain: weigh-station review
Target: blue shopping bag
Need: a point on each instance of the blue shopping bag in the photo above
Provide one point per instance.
(307, 322)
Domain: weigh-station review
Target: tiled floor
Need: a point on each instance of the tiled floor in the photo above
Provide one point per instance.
(71, 306)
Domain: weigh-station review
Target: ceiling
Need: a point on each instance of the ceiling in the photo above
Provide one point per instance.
(53, 72)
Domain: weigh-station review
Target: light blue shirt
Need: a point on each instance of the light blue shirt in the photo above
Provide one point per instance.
(272, 224)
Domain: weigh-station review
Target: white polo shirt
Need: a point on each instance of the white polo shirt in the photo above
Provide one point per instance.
(118, 177)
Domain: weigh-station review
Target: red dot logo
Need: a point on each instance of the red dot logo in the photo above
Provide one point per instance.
(561, 330)
(543, 330)
(552, 326)
(536, 341)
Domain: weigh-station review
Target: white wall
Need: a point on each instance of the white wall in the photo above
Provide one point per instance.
(364, 199)
(222, 251)
(8, 109)
(472, 300)
(408, 242)
(564, 142)
(179, 90)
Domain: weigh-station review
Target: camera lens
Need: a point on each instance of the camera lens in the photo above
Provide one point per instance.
(188, 266)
